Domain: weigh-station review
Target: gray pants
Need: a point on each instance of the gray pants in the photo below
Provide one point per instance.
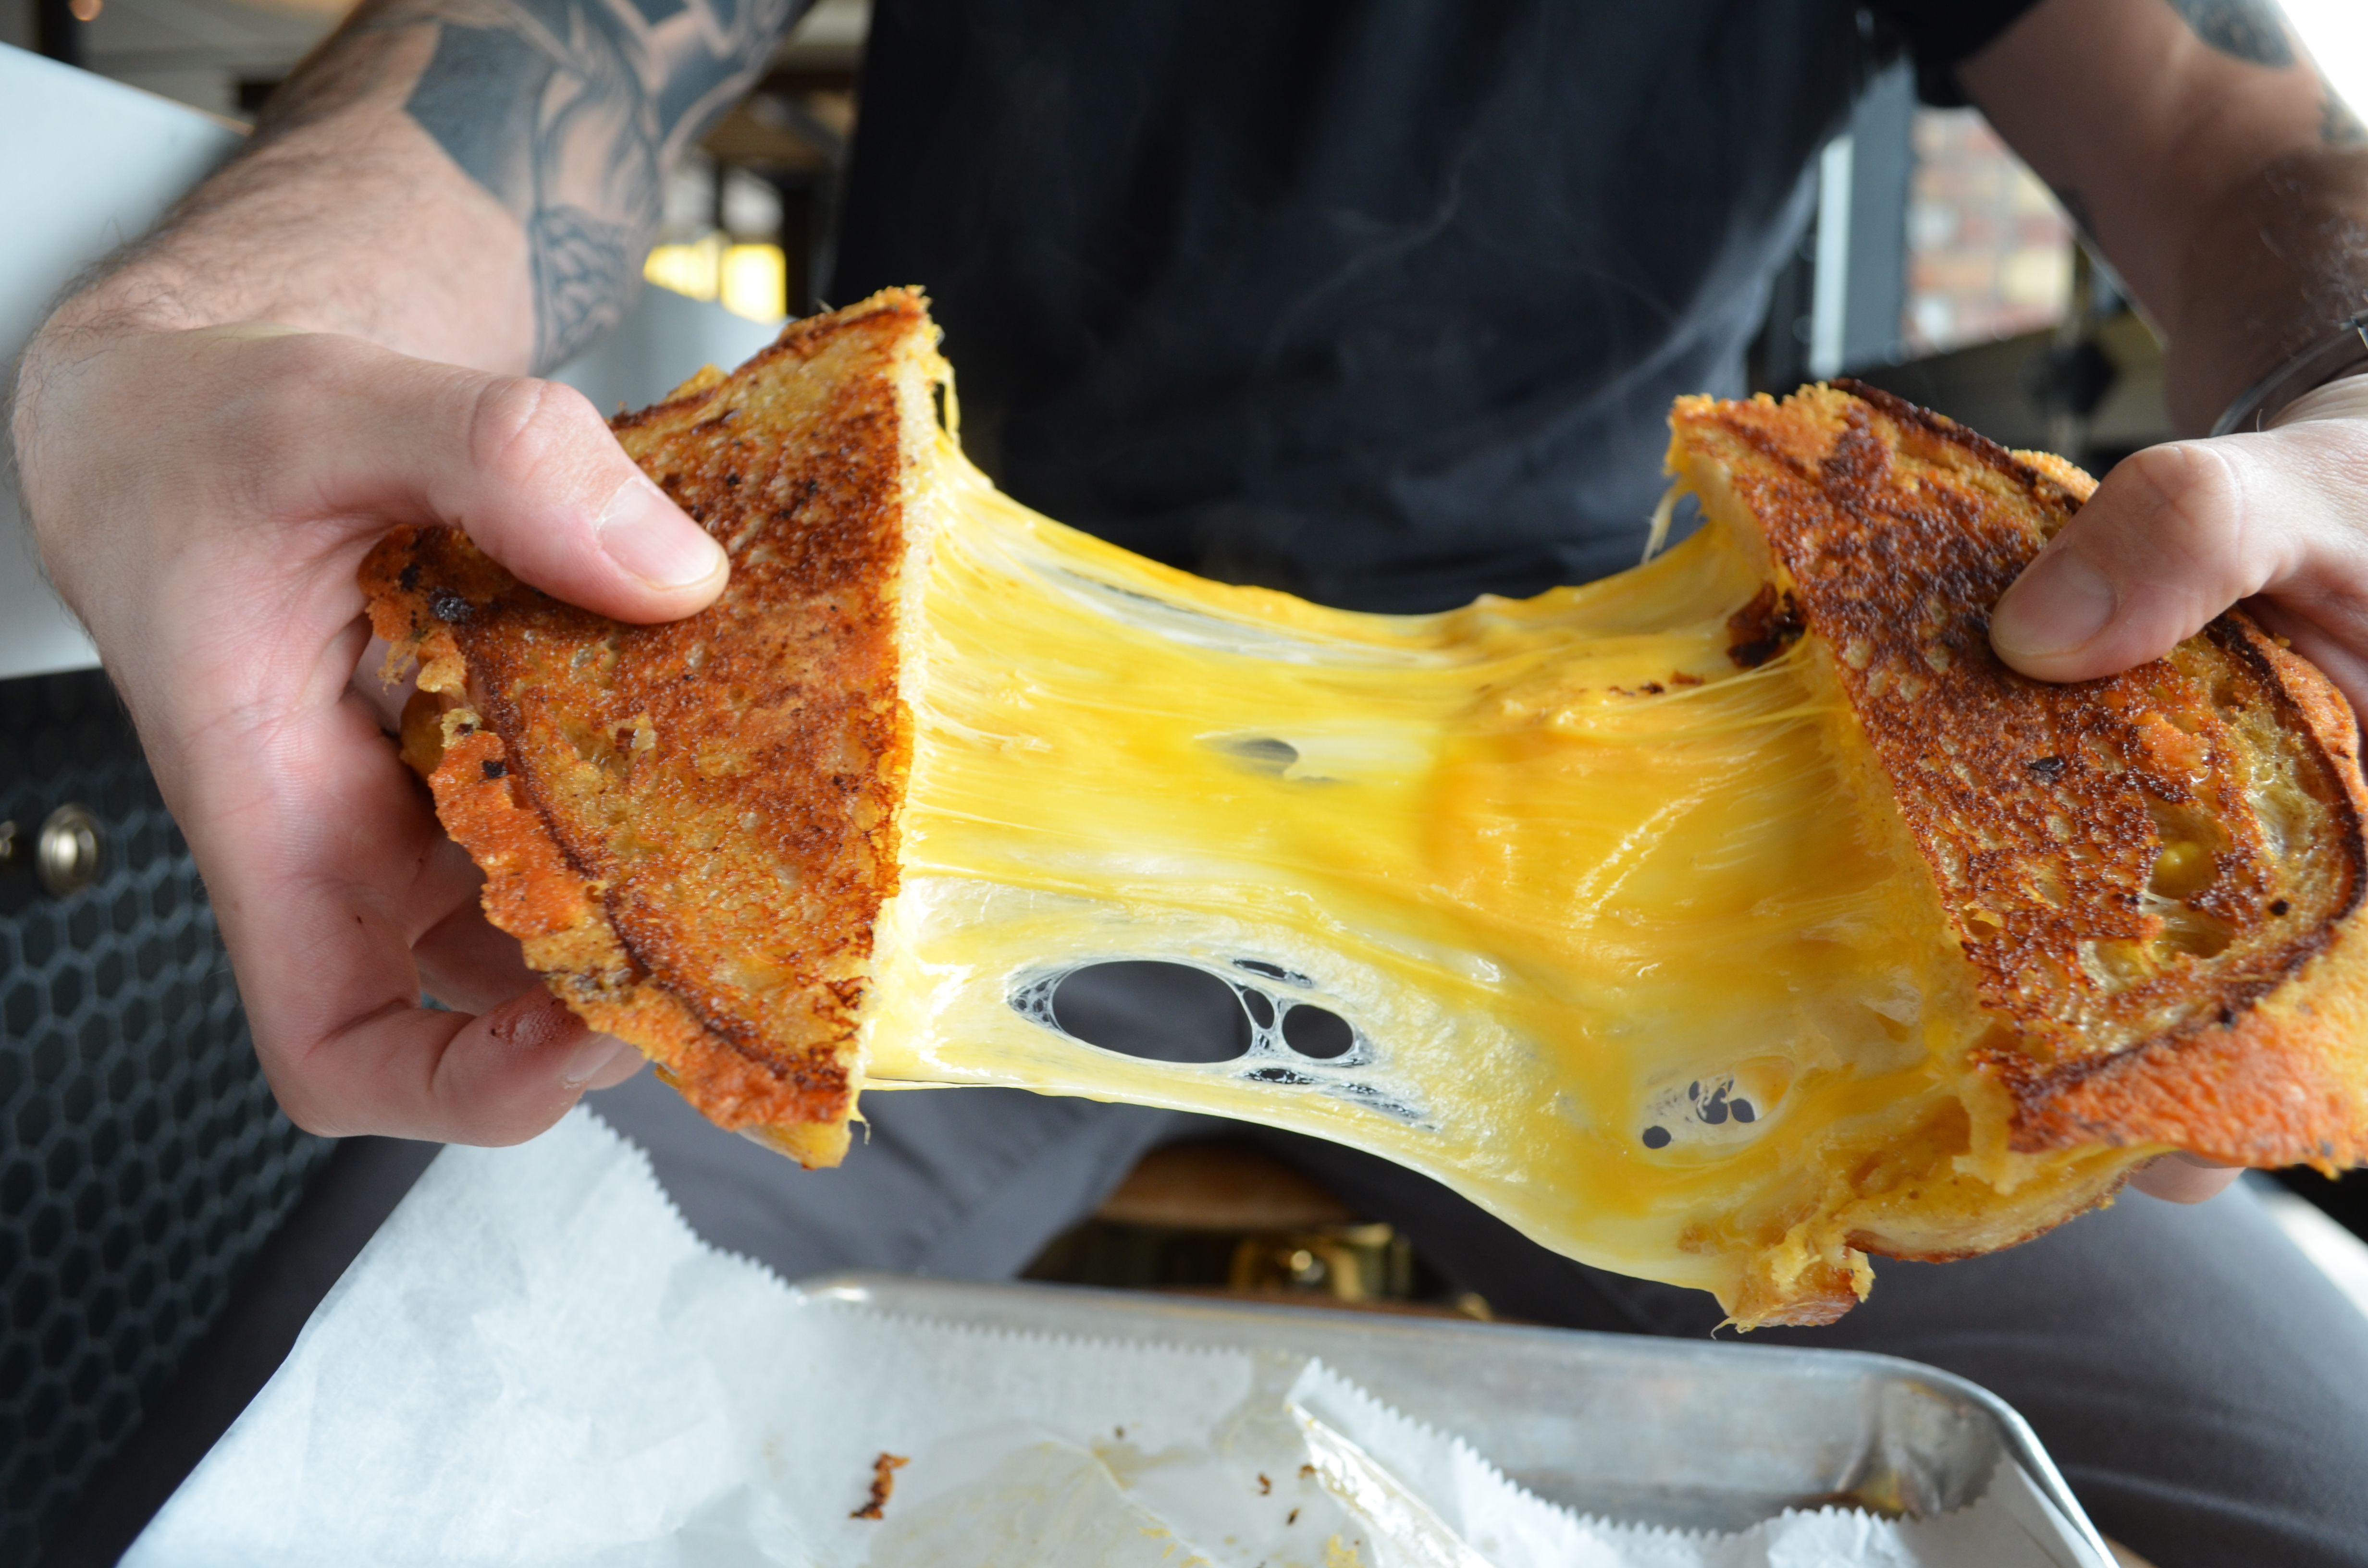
(2203, 1386)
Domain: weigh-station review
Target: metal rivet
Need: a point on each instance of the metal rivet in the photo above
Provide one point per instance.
(69, 850)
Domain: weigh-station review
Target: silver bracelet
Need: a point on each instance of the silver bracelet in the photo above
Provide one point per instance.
(2340, 353)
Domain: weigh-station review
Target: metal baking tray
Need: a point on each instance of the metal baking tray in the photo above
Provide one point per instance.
(1635, 1429)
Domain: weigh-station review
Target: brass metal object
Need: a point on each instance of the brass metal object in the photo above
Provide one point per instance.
(1217, 1185)
(1348, 1262)
(1226, 1219)
(69, 849)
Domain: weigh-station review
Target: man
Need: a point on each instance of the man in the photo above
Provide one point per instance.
(1382, 303)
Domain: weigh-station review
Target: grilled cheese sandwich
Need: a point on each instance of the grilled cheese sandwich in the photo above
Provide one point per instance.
(1721, 923)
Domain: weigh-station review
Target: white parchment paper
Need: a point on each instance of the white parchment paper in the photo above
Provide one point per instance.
(535, 1361)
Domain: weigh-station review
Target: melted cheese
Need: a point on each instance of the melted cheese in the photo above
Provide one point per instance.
(1629, 957)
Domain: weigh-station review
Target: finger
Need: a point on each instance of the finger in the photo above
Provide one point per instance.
(546, 491)
(2184, 1178)
(496, 1077)
(468, 965)
(2177, 534)
(411, 1071)
(627, 1062)
(384, 700)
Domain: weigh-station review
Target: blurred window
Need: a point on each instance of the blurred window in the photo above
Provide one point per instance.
(1989, 248)
(751, 214)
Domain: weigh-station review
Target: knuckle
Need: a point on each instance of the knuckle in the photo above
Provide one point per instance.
(2189, 512)
(522, 431)
(299, 1104)
(2190, 480)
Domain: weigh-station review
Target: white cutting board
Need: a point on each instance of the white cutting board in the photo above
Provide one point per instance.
(91, 163)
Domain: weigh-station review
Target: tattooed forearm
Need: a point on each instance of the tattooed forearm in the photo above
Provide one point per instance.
(2246, 29)
(2255, 31)
(569, 112)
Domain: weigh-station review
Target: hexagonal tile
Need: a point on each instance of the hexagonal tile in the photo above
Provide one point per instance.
(146, 1161)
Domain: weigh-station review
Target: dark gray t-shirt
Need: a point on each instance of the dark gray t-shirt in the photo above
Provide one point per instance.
(1382, 302)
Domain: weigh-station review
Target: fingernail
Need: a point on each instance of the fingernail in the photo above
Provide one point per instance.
(2060, 603)
(592, 1054)
(646, 533)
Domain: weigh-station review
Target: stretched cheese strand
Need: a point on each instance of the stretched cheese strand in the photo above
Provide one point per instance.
(1628, 957)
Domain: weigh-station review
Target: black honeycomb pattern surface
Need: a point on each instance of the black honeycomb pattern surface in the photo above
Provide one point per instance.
(143, 1162)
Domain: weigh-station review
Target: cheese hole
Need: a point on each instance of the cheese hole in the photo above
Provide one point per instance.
(2183, 870)
(1161, 1012)
(2187, 862)
(1271, 972)
(1314, 1032)
(1259, 754)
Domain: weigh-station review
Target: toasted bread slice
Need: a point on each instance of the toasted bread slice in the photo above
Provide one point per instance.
(1723, 921)
(692, 827)
(2153, 875)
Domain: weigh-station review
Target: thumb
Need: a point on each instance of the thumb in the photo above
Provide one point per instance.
(257, 426)
(323, 426)
(530, 471)
(2174, 536)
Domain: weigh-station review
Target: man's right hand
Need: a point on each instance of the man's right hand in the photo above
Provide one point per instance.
(203, 498)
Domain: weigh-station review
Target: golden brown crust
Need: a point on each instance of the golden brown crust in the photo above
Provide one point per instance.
(2155, 877)
(691, 826)
(2097, 1194)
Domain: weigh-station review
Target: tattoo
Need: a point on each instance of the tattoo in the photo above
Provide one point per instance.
(569, 112)
(2243, 30)
(2338, 126)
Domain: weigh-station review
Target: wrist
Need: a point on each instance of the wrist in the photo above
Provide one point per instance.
(2336, 357)
(2346, 397)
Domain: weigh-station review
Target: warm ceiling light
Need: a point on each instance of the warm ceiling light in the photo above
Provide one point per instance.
(690, 269)
(84, 10)
(754, 283)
